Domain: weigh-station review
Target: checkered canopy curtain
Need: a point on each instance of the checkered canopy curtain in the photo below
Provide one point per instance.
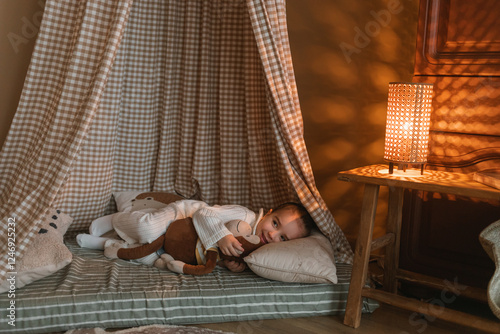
(198, 99)
(75, 48)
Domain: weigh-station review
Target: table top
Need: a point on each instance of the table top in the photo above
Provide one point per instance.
(434, 181)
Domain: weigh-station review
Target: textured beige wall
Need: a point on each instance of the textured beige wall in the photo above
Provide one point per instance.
(345, 53)
(19, 23)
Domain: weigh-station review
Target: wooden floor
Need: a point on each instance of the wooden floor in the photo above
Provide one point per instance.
(385, 320)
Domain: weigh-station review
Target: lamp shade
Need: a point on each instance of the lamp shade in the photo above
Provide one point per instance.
(407, 125)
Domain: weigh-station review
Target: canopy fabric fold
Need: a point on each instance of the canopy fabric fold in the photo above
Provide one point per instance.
(192, 97)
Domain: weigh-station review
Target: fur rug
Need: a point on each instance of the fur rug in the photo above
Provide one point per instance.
(152, 329)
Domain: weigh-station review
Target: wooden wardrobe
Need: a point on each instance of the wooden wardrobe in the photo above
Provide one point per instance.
(458, 50)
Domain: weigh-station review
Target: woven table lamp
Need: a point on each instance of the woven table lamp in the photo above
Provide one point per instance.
(407, 125)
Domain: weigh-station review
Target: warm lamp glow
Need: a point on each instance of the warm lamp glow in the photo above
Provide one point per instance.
(407, 125)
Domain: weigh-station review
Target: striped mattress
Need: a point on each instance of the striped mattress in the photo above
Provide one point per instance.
(95, 292)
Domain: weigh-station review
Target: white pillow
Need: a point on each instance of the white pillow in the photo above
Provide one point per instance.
(46, 253)
(305, 260)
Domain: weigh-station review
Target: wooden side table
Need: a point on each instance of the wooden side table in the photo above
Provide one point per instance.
(434, 181)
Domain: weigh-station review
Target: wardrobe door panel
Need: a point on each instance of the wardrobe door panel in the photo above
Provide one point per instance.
(458, 38)
(458, 50)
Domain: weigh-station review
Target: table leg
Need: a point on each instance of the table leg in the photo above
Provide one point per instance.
(361, 256)
(391, 261)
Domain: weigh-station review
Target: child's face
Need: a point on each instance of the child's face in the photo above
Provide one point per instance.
(282, 225)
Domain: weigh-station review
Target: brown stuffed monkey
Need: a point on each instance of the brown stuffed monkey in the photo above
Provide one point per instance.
(180, 242)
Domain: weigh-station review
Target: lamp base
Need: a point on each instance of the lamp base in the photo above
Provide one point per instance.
(404, 166)
(399, 173)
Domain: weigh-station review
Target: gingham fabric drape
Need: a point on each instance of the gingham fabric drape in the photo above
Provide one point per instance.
(198, 99)
(73, 55)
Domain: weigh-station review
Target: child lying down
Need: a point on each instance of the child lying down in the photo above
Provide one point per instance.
(286, 222)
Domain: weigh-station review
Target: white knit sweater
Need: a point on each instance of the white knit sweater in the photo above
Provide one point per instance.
(209, 221)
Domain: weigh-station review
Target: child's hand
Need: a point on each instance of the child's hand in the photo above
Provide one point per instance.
(230, 246)
(235, 267)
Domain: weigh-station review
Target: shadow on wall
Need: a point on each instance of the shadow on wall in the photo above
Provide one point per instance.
(345, 53)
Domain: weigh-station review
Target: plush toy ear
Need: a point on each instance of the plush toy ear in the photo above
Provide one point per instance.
(239, 227)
